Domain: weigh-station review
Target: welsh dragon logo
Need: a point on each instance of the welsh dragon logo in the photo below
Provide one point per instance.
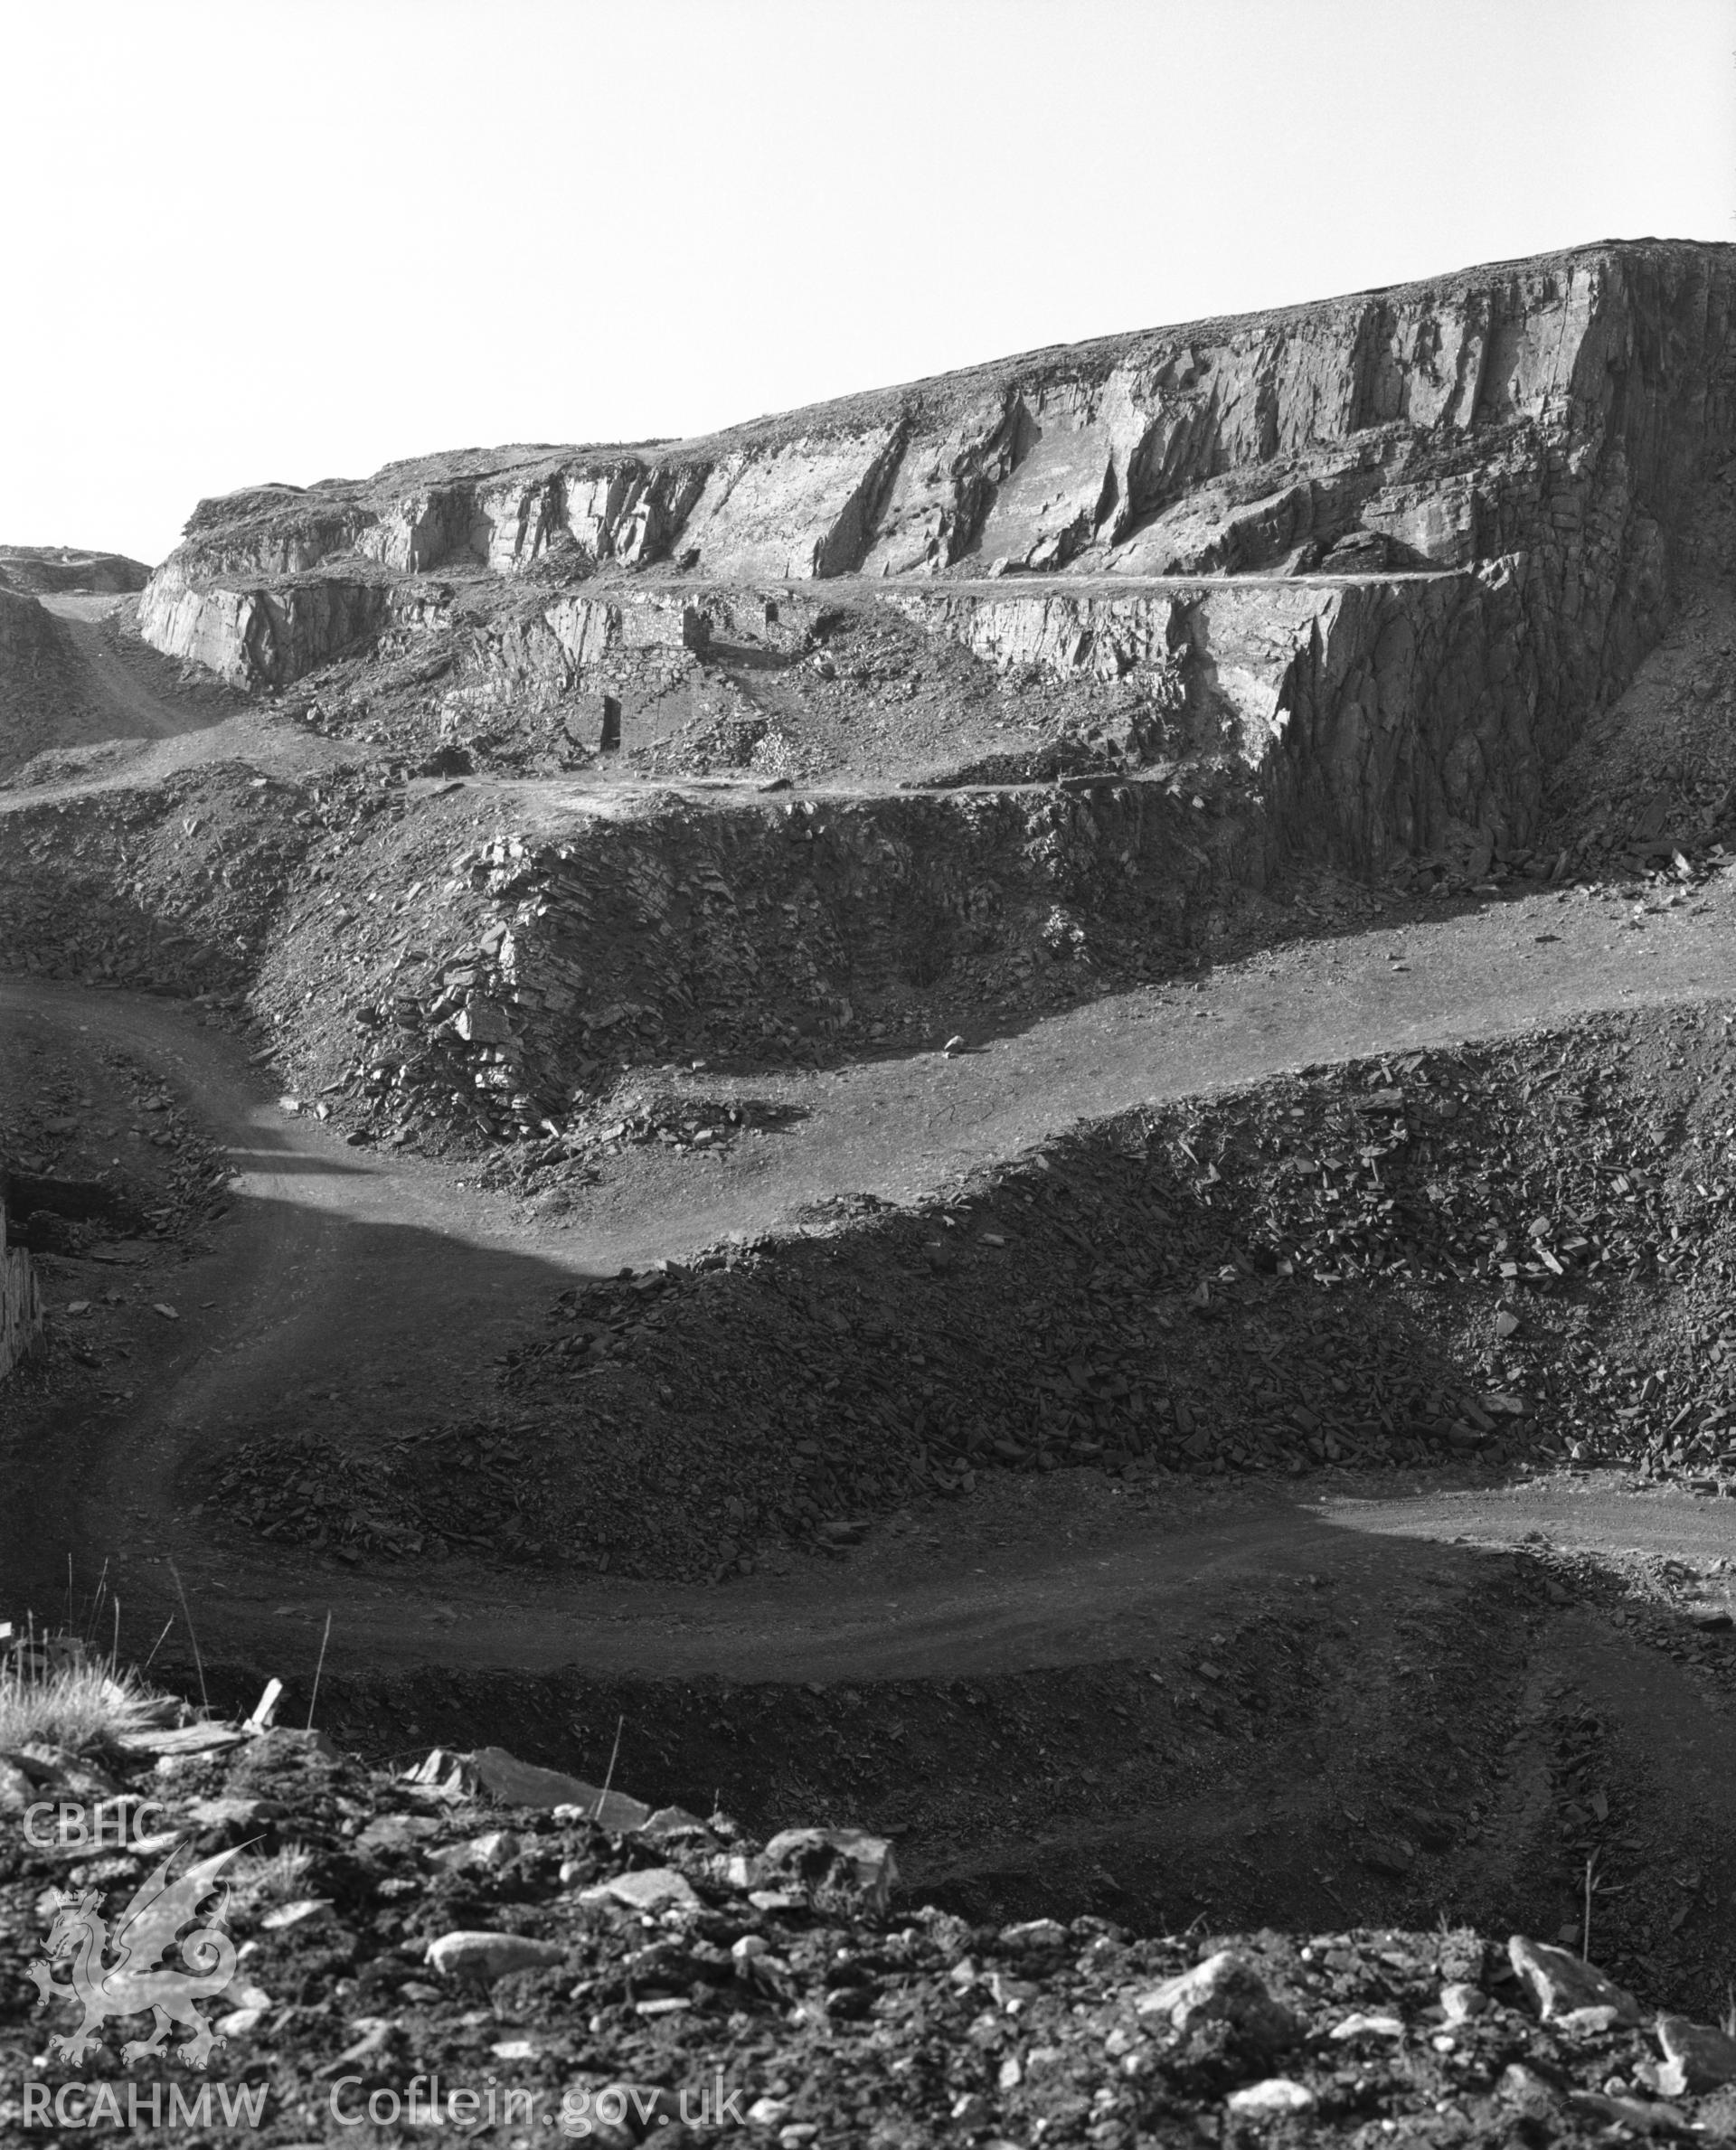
(135, 1982)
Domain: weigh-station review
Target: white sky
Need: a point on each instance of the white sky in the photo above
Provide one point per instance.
(247, 241)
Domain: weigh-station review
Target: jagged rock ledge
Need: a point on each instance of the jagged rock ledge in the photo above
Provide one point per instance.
(1439, 527)
(1439, 423)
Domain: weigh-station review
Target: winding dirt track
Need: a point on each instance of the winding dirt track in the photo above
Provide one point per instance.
(119, 704)
(363, 1273)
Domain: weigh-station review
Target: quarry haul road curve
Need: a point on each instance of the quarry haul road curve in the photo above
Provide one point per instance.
(119, 698)
(117, 704)
(342, 1268)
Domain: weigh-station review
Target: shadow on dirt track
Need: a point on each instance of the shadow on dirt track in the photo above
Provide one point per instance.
(1324, 1711)
(1403, 1645)
(385, 1282)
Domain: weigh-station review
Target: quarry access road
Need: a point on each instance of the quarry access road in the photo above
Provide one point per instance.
(385, 1279)
(115, 703)
(822, 590)
(1065, 1583)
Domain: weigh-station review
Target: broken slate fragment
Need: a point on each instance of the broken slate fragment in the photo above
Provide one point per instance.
(1529, 2089)
(1703, 2060)
(496, 1849)
(1644, 2117)
(1369, 2026)
(482, 1022)
(1588, 2022)
(647, 1888)
(388, 1832)
(669, 1824)
(485, 1956)
(295, 1914)
(1561, 1984)
(1459, 2003)
(1035, 1933)
(837, 1862)
(522, 1784)
(1277, 2094)
(1223, 1989)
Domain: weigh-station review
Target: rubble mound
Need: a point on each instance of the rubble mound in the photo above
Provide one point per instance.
(1502, 1254)
(61, 569)
(39, 684)
(465, 1943)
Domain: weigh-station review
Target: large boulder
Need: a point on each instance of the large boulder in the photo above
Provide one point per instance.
(843, 1866)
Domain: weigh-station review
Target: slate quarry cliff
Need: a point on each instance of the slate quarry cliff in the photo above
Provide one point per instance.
(1064, 671)
(1377, 558)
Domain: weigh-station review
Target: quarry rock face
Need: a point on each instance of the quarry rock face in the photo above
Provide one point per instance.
(1436, 424)
(1225, 447)
(261, 635)
(1415, 537)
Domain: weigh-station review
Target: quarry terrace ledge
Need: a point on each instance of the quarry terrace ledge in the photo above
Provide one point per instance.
(1011, 584)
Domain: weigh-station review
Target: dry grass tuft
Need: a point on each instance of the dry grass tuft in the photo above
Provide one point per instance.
(61, 1697)
(280, 1878)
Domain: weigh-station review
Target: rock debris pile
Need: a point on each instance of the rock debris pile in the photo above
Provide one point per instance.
(1491, 1254)
(39, 568)
(427, 1935)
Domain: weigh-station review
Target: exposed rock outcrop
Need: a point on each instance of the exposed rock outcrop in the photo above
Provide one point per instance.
(1467, 503)
(1442, 418)
(264, 636)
